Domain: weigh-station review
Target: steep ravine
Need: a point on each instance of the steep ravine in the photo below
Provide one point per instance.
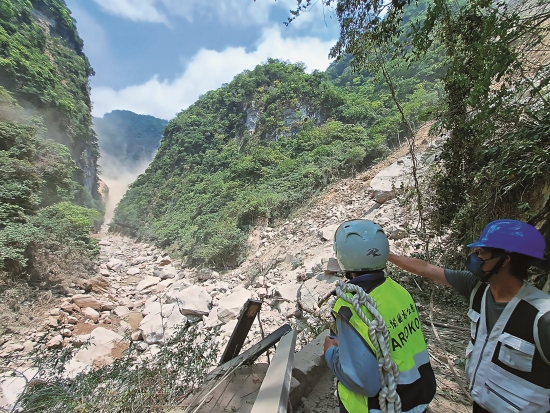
(285, 267)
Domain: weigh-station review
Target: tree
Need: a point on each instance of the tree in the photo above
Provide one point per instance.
(495, 89)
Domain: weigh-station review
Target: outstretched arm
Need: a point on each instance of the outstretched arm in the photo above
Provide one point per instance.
(419, 267)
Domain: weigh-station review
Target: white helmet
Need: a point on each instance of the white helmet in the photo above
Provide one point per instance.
(361, 245)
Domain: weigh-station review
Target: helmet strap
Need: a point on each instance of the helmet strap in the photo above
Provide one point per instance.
(495, 269)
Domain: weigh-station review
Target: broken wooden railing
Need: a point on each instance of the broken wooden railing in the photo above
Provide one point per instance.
(273, 394)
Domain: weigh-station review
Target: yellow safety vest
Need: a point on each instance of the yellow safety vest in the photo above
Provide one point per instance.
(416, 386)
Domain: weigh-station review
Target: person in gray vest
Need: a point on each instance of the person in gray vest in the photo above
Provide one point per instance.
(508, 356)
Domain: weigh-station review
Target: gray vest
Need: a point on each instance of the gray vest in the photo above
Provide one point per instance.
(506, 370)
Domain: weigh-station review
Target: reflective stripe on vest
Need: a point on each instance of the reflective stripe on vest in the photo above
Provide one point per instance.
(416, 386)
(506, 369)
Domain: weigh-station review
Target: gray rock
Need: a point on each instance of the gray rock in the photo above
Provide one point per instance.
(161, 323)
(230, 306)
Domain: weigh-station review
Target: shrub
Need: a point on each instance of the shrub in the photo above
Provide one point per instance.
(133, 383)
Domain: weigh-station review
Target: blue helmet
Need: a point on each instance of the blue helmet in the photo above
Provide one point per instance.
(512, 236)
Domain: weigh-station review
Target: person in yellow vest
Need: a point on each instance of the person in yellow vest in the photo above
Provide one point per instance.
(362, 250)
(508, 356)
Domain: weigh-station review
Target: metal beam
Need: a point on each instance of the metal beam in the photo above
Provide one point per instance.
(250, 355)
(250, 309)
(275, 390)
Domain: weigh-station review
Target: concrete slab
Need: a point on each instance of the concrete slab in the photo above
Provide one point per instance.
(310, 364)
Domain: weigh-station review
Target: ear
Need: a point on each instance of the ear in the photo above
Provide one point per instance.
(506, 261)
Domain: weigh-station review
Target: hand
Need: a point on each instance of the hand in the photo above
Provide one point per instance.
(330, 342)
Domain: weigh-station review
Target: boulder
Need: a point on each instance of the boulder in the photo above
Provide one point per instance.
(381, 197)
(55, 342)
(332, 266)
(86, 285)
(115, 264)
(394, 176)
(194, 301)
(97, 351)
(180, 285)
(140, 260)
(90, 314)
(166, 272)
(159, 325)
(316, 288)
(147, 282)
(86, 300)
(163, 285)
(153, 307)
(70, 307)
(107, 305)
(164, 260)
(121, 311)
(212, 320)
(327, 233)
(230, 306)
(204, 274)
(133, 271)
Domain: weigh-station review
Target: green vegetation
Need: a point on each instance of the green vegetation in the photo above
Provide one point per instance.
(45, 69)
(42, 231)
(127, 136)
(133, 383)
(494, 106)
(48, 150)
(256, 148)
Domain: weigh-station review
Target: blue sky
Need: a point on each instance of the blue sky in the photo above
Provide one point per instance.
(156, 57)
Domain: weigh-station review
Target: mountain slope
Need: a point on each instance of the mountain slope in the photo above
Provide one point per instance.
(128, 136)
(48, 150)
(42, 64)
(255, 149)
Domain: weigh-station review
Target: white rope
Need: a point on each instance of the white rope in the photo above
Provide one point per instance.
(379, 336)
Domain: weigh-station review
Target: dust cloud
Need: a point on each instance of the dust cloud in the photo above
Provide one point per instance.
(117, 175)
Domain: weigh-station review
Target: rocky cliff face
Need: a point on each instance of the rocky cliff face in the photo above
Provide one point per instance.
(42, 34)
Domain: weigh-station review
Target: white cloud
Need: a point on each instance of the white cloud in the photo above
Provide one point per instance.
(136, 10)
(242, 13)
(231, 12)
(208, 70)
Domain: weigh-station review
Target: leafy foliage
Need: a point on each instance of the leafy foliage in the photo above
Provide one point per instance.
(495, 101)
(254, 149)
(41, 230)
(131, 383)
(42, 64)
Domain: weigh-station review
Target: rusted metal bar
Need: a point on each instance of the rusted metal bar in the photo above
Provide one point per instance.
(250, 309)
(274, 393)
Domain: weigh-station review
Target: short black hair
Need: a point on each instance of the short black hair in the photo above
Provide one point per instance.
(519, 263)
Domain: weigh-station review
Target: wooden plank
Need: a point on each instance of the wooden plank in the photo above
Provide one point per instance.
(250, 309)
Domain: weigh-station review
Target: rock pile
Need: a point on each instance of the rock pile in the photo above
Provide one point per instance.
(139, 293)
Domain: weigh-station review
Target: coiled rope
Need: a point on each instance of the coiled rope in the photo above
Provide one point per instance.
(379, 336)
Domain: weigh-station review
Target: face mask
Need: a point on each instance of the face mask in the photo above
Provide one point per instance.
(474, 264)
